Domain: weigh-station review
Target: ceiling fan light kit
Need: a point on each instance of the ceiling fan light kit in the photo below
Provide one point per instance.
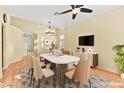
(75, 10)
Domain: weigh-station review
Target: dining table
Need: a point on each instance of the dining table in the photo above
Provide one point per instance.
(61, 62)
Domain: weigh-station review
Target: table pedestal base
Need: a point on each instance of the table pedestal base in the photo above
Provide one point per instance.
(61, 69)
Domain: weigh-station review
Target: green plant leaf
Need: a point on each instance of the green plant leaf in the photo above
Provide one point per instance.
(119, 56)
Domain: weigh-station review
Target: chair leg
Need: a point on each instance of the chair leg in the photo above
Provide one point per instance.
(39, 83)
(77, 84)
(29, 72)
(31, 76)
(33, 82)
(54, 79)
(90, 83)
(64, 80)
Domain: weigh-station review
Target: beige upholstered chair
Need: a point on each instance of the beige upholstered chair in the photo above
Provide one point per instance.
(30, 64)
(65, 52)
(44, 62)
(82, 72)
(38, 72)
(43, 50)
(78, 54)
(28, 59)
(73, 65)
(69, 66)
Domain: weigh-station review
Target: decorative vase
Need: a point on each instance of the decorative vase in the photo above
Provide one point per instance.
(122, 75)
(89, 50)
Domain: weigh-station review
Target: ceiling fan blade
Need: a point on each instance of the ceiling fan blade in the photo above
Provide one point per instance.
(66, 11)
(86, 10)
(78, 6)
(73, 16)
(73, 6)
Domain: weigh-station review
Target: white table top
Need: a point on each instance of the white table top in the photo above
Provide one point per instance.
(64, 59)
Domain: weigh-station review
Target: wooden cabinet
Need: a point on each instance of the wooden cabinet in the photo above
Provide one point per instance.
(94, 60)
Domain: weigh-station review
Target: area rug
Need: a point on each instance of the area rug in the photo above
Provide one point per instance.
(96, 82)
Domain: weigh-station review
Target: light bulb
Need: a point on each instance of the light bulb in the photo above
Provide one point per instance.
(76, 10)
(52, 31)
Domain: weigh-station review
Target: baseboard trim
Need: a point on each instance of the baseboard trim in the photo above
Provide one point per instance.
(5, 67)
(108, 70)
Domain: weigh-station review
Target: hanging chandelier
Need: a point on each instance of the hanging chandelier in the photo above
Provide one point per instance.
(49, 30)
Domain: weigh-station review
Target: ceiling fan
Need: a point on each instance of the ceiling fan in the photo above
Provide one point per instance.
(75, 10)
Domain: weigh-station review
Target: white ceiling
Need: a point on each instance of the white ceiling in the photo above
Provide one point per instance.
(44, 13)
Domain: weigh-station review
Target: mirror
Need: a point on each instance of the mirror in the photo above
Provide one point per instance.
(48, 41)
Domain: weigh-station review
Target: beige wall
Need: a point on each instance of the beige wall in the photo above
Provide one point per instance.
(26, 25)
(14, 48)
(2, 11)
(61, 33)
(29, 26)
(108, 30)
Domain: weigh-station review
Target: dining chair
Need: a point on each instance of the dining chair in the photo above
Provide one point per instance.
(28, 59)
(30, 64)
(39, 73)
(81, 74)
(65, 52)
(73, 65)
(43, 50)
(78, 54)
(43, 61)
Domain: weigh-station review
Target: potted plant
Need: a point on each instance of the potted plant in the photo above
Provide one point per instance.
(53, 45)
(119, 58)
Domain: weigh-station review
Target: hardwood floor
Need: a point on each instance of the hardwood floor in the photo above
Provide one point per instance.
(11, 76)
(115, 80)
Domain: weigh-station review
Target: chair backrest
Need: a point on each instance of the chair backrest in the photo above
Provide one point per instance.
(78, 54)
(65, 52)
(28, 59)
(43, 50)
(37, 68)
(82, 72)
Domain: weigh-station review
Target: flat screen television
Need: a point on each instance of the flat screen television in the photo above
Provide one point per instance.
(86, 40)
